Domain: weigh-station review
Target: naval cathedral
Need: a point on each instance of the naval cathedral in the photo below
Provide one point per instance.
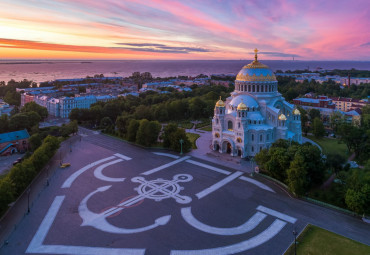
(255, 115)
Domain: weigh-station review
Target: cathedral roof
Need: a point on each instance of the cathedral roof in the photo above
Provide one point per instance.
(256, 71)
(247, 100)
(242, 106)
(282, 117)
(220, 103)
(296, 112)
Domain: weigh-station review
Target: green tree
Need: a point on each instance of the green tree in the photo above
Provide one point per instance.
(358, 200)
(4, 123)
(175, 138)
(35, 141)
(132, 130)
(278, 163)
(335, 162)
(147, 134)
(318, 128)
(314, 161)
(297, 176)
(6, 193)
(13, 98)
(105, 122)
(24, 120)
(96, 113)
(314, 113)
(33, 107)
(167, 133)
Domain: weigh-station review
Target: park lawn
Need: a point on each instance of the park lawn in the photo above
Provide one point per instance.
(192, 138)
(207, 128)
(330, 146)
(185, 124)
(315, 240)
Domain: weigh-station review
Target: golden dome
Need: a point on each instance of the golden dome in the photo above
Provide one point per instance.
(256, 71)
(296, 112)
(220, 103)
(241, 106)
(282, 117)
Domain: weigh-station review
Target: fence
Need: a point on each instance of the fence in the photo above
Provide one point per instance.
(19, 209)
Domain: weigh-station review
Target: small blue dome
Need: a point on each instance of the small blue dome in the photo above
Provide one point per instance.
(249, 101)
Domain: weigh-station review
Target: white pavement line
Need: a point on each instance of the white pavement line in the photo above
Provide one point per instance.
(165, 166)
(244, 228)
(98, 173)
(122, 156)
(257, 183)
(219, 170)
(277, 214)
(36, 245)
(45, 225)
(218, 185)
(73, 177)
(255, 241)
(166, 154)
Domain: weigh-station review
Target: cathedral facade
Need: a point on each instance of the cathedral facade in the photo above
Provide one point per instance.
(255, 115)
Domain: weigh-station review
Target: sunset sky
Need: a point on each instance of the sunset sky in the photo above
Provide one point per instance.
(203, 29)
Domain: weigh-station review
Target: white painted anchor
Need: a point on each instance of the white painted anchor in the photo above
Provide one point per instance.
(158, 190)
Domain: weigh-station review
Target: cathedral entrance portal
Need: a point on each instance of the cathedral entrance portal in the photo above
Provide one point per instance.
(228, 150)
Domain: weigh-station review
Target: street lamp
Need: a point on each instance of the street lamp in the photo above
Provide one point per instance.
(252, 160)
(47, 175)
(28, 201)
(295, 241)
(181, 142)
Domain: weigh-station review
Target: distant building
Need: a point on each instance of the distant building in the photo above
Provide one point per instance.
(320, 102)
(13, 142)
(5, 108)
(354, 81)
(348, 104)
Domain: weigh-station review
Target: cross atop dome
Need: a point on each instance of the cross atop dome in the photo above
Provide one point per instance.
(255, 54)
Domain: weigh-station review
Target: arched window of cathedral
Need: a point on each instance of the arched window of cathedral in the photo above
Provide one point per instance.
(243, 114)
(262, 88)
(253, 88)
(230, 125)
(216, 121)
(260, 148)
(252, 149)
(249, 88)
(255, 122)
(260, 138)
(267, 137)
(238, 124)
(258, 88)
(252, 137)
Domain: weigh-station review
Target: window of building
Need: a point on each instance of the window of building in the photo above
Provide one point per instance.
(267, 137)
(216, 121)
(260, 138)
(252, 137)
(252, 149)
(230, 125)
(260, 148)
(238, 124)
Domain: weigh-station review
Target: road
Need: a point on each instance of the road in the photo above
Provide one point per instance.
(117, 198)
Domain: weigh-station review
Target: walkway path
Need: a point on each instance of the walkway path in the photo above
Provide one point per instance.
(205, 152)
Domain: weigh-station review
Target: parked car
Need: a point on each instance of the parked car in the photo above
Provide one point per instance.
(64, 165)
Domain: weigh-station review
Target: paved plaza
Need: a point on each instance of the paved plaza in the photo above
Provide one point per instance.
(117, 198)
